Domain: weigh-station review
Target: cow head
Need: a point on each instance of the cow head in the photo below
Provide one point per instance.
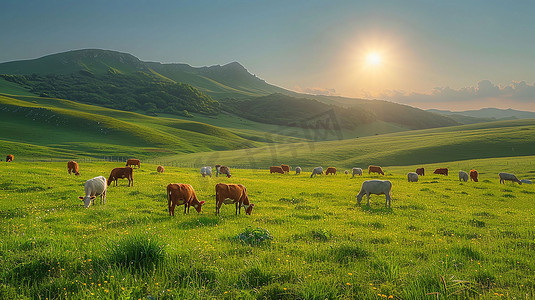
(198, 206)
(87, 200)
(77, 173)
(228, 175)
(249, 208)
(359, 198)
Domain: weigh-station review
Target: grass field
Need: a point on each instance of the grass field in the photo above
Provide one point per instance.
(441, 239)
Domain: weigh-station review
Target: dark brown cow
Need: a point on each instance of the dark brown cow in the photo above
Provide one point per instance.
(133, 162)
(275, 169)
(223, 170)
(182, 194)
(473, 175)
(285, 168)
(160, 169)
(420, 171)
(232, 193)
(72, 166)
(9, 158)
(375, 169)
(330, 170)
(118, 173)
(441, 171)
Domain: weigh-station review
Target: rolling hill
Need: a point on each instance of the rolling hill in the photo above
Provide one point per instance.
(485, 115)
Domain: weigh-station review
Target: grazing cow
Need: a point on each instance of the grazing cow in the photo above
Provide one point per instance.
(508, 177)
(376, 187)
(133, 162)
(182, 194)
(276, 169)
(441, 171)
(297, 170)
(357, 171)
(463, 176)
(217, 170)
(412, 177)
(118, 173)
(473, 175)
(232, 193)
(94, 187)
(526, 181)
(160, 169)
(223, 170)
(316, 171)
(346, 172)
(375, 169)
(286, 168)
(72, 167)
(420, 171)
(206, 171)
(9, 158)
(330, 170)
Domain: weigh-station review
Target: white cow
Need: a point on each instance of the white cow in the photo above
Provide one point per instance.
(376, 187)
(526, 181)
(316, 171)
(508, 177)
(206, 171)
(95, 187)
(463, 176)
(297, 170)
(412, 177)
(357, 171)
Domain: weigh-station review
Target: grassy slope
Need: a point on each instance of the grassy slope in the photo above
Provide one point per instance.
(484, 140)
(441, 238)
(13, 88)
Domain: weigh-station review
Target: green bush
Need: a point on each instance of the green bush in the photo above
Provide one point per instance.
(255, 237)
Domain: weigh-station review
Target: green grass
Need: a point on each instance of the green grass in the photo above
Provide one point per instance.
(441, 239)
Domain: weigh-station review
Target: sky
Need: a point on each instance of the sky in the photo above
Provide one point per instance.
(454, 55)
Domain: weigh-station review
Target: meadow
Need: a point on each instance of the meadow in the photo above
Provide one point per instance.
(306, 238)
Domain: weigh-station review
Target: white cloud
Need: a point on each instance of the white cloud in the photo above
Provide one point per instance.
(316, 91)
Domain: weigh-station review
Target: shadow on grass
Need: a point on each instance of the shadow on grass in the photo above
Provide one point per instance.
(377, 210)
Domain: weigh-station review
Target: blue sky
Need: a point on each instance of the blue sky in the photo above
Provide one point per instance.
(435, 54)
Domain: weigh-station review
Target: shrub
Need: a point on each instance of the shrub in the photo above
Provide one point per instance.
(137, 251)
(255, 237)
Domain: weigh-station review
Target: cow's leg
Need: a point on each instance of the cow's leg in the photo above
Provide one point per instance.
(186, 206)
(368, 196)
(237, 203)
(172, 208)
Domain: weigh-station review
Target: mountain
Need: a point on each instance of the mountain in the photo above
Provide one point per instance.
(485, 115)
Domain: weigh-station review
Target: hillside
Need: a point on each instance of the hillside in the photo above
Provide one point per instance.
(485, 115)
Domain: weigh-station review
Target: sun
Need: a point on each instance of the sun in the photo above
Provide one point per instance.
(373, 59)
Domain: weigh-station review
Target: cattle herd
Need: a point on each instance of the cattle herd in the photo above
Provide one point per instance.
(184, 194)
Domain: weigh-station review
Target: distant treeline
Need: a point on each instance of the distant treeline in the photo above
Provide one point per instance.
(138, 91)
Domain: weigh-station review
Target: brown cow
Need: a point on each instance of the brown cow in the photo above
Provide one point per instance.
(420, 171)
(9, 158)
(330, 170)
(72, 166)
(232, 193)
(275, 169)
(441, 171)
(375, 169)
(118, 173)
(223, 170)
(178, 194)
(133, 162)
(286, 168)
(473, 175)
(160, 169)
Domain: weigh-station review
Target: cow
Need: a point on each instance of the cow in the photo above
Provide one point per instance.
(316, 171)
(375, 169)
(133, 162)
(286, 168)
(412, 177)
(94, 187)
(232, 193)
(206, 171)
(330, 170)
(118, 173)
(508, 177)
(463, 176)
(223, 170)
(160, 169)
(473, 175)
(376, 187)
(276, 169)
(441, 171)
(182, 194)
(217, 170)
(9, 158)
(420, 171)
(526, 181)
(297, 170)
(346, 172)
(356, 171)
(72, 167)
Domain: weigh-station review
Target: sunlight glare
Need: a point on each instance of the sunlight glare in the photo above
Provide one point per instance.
(373, 59)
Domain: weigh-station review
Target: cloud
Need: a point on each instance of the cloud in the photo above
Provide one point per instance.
(517, 91)
(316, 91)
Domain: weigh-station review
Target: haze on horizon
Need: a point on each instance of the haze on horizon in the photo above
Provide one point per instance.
(454, 55)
